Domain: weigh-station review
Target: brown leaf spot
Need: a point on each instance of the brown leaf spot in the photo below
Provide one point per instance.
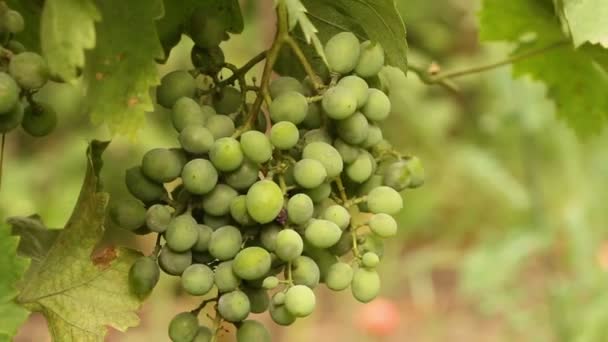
(104, 257)
(133, 100)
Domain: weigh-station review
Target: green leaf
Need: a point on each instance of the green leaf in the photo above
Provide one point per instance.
(79, 291)
(12, 268)
(121, 70)
(587, 20)
(36, 238)
(297, 15)
(64, 41)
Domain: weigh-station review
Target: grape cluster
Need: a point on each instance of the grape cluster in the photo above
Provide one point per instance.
(263, 211)
(22, 73)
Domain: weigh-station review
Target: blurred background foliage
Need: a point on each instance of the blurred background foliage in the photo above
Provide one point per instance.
(506, 240)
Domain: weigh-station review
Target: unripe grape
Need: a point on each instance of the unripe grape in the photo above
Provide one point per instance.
(304, 271)
(372, 243)
(327, 155)
(196, 139)
(285, 84)
(226, 154)
(300, 301)
(199, 176)
(322, 233)
(309, 173)
(9, 94)
(354, 129)
(216, 222)
(313, 117)
(225, 279)
(289, 245)
(343, 246)
(128, 213)
(197, 279)
(348, 152)
(338, 215)
(374, 137)
(206, 30)
(339, 102)
(173, 86)
(209, 61)
(233, 306)
(317, 135)
(378, 106)
(225, 242)
(161, 165)
(187, 112)
(221, 126)
(300, 208)
(16, 47)
(39, 120)
(268, 236)
(280, 315)
(264, 201)
(270, 283)
(12, 21)
(361, 169)
(256, 146)
(289, 106)
(238, 211)
(158, 218)
(174, 263)
(251, 263)
(217, 202)
(370, 260)
(244, 177)
(339, 276)
(258, 299)
(365, 285)
(357, 86)
(203, 334)
(141, 187)
(319, 193)
(383, 225)
(384, 200)
(182, 233)
(252, 331)
(371, 59)
(284, 135)
(29, 70)
(342, 52)
(228, 100)
(143, 276)
(404, 174)
(322, 257)
(183, 327)
(12, 119)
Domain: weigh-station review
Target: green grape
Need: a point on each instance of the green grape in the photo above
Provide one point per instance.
(196, 139)
(270, 283)
(354, 129)
(202, 257)
(256, 146)
(313, 117)
(374, 137)
(12, 119)
(209, 61)
(173, 86)
(9, 94)
(268, 236)
(199, 176)
(29, 70)
(289, 106)
(319, 193)
(264, 201)
(182, 233)
(252, 331)
(416, 171)
(339, 102)
(216, 222)
(285, 84)
(304, 271)
(218, 201)
(204, 236)
(339, 276)
(158, 218)
(377, 107)
(338, 215)
(317, 135)
(322, 257)
(234, 306)
(300, 301)
(370, 260)
(244, 177)
(383, 225)
(16, 47)
(365, 285)
(309, 173)
(288, 245)
(371, 243)
(251, 263)
(322, 233)
(280, 315)
(371, 59)
(348, 152)
(373, 182)
(143, 276)
(174, 263)
(278, 299)
(404, 174)
(342, 52)
(258, 299)
(141, 187)
(197, 279)
(225, 242)
(384, 200)
(206, 30)
(221, 126)
(226, 154)
(187, 112)
(238, 211)
(128, 213)
(327, 155)
(300, 208)
(284, 135)
(203, 334)
(357, 86)
(12, 21)
(361, 169)
(161, 165)
(183, 327)
(228, 100)
(225, 279)
(343, 246)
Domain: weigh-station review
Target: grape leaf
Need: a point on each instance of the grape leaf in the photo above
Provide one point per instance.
(36, 238)
(12, 268)
(587, 20)
(78, 291)
(121, 69)
(297, 14)
(63, 41)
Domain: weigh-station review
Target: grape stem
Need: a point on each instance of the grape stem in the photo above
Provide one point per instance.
(289, 275)
(240, 72)
(2, 145)
(341, 189)
(314, 78)
(202, 305)
(354, 201)
(156, 250)
(316, 98)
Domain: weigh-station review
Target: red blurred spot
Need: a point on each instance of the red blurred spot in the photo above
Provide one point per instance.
(379, 317)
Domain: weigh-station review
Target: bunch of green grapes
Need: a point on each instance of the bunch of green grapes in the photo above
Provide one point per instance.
(258, 213)
(22, 73)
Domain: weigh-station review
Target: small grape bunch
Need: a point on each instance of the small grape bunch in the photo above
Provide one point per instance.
(255, 214)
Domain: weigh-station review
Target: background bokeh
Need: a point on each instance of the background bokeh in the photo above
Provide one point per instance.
(506, 241)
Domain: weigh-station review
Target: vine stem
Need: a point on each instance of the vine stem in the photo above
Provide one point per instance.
(314, 78)
(240, 72)
(2, 145)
